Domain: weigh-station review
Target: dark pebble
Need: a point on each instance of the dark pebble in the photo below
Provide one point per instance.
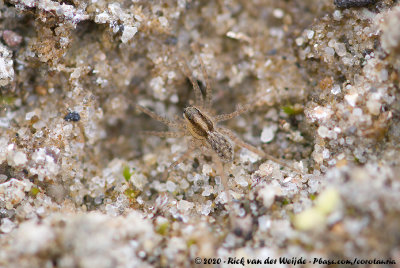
(353, 3)
(72, 116)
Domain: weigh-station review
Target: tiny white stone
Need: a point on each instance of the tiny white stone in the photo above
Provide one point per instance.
(349, 140)
(332, 43)
(357, 112)
(337, 15)
(264, 222)
(248, 156)
(325, 153)
(330, 51)
(241, 181)
(340, 49)
(310, 34)
(29, 115)
(3, 178)
(299, 41)
(208, 190)
(19, 158)
(335, 89)
(268, 194)
(4, 122)
(185, 205)
(129, 33)
(374, 106)
(163, 21)
(321, 113)
(323, 131)
(174, 98)
(206, 208)
(184, 184)
(268, 133)
(222, 198)
(207, 169)
(171, 187)
(278, 13)
(102, 18)
(384, 75)
(351, 99)
(6, 225)
(6, 66)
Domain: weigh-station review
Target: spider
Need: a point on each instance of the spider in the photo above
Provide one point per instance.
(201, 125)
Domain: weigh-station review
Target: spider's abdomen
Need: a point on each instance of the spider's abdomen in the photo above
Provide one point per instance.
(221, 145)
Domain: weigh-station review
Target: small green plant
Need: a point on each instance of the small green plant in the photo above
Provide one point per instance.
(126, 173)
(7, 100)
(292, 110)
(162, 229)
(34, 191)
(285, 202)
(131, 194)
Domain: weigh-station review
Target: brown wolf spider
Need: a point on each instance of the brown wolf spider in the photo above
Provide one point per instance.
(200, 124)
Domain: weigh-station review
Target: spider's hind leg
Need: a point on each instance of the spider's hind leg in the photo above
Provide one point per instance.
(224, 179)
(255, 150)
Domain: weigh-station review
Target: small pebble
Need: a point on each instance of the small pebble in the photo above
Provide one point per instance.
(41, 90)
(268, 133)
(72, 116)
(11, 38)
(335, 89)
(7, 226)
(19, 159)
(353, 3)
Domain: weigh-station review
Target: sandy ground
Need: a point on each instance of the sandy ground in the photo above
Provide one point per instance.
(82, 186)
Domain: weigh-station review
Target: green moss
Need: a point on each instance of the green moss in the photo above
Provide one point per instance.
(285, 202)
(34, 191)
(162, 229)
(131, 193)
(292, 110)
(7, 100)
(126, 173)
(190, 242)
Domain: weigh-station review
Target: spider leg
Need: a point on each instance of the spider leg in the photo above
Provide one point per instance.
(207, 102)
(224, 180)
(255, 150)
(197, 91)
(239, 110)
(182, 158)
(157, 117)
(164, 134)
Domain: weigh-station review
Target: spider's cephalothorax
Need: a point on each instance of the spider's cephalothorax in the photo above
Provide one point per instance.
(198, 123)
(201, 126)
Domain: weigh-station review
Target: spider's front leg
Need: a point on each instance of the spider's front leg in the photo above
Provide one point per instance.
(224, 179)
(182, 158)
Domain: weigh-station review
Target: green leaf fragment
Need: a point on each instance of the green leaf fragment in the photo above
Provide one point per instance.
(126, 173)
